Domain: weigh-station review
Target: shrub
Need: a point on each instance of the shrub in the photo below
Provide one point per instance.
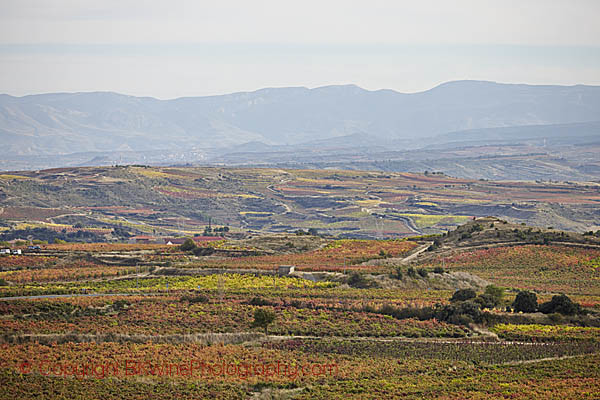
(3, 282)
(358, 280)
(561, 304)
(262, 318)
(259, 301)
(476, 228)
(525, 302)
(438, 270)
(463, 294)
(495, 293)
(421, 314)
(422, 272)
(486, 300)
(188, 245)
(555, 317)
(195, 299)
(462, 313)
(203, 251)
(121, 304)
(397, 273)
(411, 272)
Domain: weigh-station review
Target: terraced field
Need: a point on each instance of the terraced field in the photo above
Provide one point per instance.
(170, 201)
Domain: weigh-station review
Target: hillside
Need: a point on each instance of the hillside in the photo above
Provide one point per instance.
(176, 200)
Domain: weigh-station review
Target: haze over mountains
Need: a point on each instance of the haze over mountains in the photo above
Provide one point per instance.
(78, 128)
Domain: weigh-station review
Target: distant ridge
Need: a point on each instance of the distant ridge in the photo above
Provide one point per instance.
(65, 123)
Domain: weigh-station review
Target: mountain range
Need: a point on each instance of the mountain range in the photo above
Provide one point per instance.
(63, 123)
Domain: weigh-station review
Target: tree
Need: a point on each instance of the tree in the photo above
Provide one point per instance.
(262, 318)
(486, 300)
(525, 302)
(462, 313)
(463, 295)
(188, 245)
(561, 304)
(492, 296)
(494, 291)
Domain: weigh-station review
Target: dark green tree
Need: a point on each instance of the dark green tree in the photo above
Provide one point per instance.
(463, 295)
(262, 318)
(561, 304)
(491, 298)
(188, 245)
(525, 302)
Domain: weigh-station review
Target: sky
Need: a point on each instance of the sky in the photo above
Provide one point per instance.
(175, 48)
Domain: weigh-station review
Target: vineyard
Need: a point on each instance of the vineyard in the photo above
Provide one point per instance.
(557, 269)
(336, 256)
(156, 321)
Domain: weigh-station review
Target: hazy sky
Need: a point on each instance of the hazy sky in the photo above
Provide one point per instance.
(179, 48)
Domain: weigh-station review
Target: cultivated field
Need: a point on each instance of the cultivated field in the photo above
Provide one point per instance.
(107, 202)
(357, 319)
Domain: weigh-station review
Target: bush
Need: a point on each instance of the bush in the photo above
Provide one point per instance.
(3, 282)
(397, 274)
(492, 296)
(463, 295)
(359, 281)
(438, 270)
(195, 299)
(486, 300)
(525, 302)
(555, 317)
(259, 301)
(411, 272)
(561, 304)
(203, 251)
(422, 272)
(462, 313)
(262, 318)
(121, 304)
(188, 245)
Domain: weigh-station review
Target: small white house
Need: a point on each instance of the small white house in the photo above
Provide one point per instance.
(17, 252)
(5, 251)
